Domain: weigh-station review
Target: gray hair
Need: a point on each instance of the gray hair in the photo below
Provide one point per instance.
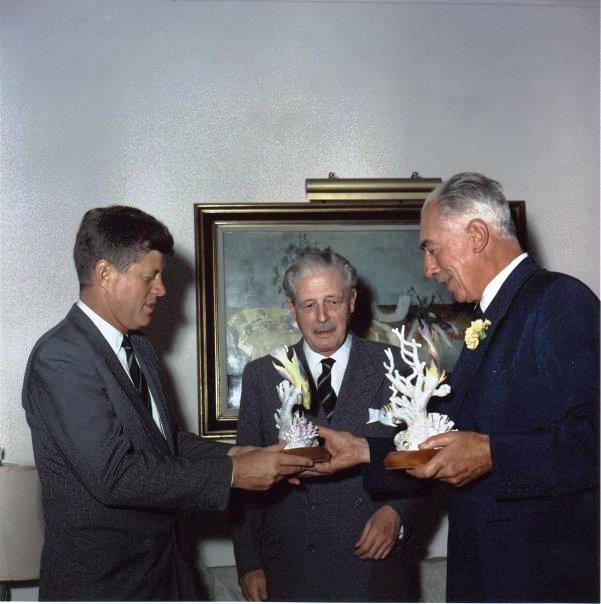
(314, 260)
(471, 195)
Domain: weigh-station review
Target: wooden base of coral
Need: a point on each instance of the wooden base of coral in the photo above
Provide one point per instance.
(313, 453)
(406, 460)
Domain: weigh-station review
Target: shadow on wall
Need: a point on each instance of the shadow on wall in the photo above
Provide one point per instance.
(362, 317)
(169, 318)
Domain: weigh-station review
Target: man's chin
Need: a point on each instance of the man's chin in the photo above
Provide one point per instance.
(325, 344)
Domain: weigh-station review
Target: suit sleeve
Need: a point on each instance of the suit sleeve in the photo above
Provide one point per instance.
(66, 397)
(562, 456)
(247, 508)
(193, 447)
(378, 480)
(188, 445)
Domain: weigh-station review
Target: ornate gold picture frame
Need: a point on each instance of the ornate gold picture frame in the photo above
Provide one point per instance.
(242, 250)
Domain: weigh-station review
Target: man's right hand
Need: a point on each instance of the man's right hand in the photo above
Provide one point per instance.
(254, 585)
(261, 468)
(346, 450)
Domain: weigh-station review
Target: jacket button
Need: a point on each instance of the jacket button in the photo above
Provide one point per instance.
(357, 503)
(311, 548)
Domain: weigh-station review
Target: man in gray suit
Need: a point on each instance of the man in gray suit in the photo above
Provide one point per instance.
(327, 540)
(112, 464)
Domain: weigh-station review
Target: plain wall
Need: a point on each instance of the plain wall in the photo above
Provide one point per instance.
(164, 104)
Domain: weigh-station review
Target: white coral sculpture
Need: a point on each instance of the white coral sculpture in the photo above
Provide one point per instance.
(295, 429)
(410, 395)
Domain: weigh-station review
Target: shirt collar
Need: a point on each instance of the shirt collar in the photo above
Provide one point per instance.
(491, 290)
(112, 335)
(341, 356)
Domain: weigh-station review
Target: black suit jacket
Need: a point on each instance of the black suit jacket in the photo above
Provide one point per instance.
(110, 481)
(529, 531)
(304, 537)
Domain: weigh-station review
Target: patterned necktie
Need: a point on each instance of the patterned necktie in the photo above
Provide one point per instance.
(326, 393)
(137, 377)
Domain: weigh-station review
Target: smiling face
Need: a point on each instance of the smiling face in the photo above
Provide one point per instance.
(449, 256)
(131, 295)
(322, 309)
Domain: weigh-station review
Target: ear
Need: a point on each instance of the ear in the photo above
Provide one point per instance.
(353, 300)
(103, 273)
(478, 234)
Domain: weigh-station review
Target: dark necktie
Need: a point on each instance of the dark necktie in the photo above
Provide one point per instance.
(326, 393)
(477, 312)
(137, 377)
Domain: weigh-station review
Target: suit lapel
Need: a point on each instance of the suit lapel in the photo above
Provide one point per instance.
(105, 352)
(470, 360)
(362, 380)
(151, 372)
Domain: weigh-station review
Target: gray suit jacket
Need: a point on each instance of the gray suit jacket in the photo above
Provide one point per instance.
(304, 537)
(110, 481)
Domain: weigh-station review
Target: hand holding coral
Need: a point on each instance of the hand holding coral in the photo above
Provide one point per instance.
(259, 469)
(464, 457)
(346, 449)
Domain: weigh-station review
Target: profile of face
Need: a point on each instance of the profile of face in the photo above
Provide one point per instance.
(322, 309)
(131, 295)
(449, 256)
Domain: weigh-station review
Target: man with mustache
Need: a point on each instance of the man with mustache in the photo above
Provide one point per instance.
(523, 466)
(327, 540)
(113, 465)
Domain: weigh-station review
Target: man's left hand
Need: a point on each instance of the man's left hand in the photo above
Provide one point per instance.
(379, 535)
(464, 457)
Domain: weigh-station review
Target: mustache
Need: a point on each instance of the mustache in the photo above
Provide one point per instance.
(443, 277)
(327, 326)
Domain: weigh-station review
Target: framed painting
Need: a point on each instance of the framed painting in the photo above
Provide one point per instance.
(242, 251)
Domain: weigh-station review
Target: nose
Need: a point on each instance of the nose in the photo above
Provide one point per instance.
(430, 266)
(322, 315)
(158, 288)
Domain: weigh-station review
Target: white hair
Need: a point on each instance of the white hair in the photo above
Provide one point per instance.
(471, 195)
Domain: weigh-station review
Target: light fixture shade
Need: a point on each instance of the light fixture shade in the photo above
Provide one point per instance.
(21, 523)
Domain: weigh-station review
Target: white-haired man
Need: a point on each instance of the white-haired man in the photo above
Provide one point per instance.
(524, 464)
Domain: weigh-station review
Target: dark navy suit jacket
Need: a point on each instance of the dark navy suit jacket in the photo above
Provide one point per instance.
(529, 530)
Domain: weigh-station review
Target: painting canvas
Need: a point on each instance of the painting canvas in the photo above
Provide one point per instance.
(249, 315)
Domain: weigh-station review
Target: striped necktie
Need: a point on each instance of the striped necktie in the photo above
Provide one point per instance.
(326, 393)
(137, 377)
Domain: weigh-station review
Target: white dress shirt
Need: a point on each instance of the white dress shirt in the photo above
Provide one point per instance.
(115, 338)
(491, 290)
(340, 356)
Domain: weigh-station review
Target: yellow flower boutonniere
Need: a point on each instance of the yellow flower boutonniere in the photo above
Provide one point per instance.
(476, 332)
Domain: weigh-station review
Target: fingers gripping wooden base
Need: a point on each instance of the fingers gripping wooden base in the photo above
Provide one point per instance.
(312, 453)
(406, 460)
